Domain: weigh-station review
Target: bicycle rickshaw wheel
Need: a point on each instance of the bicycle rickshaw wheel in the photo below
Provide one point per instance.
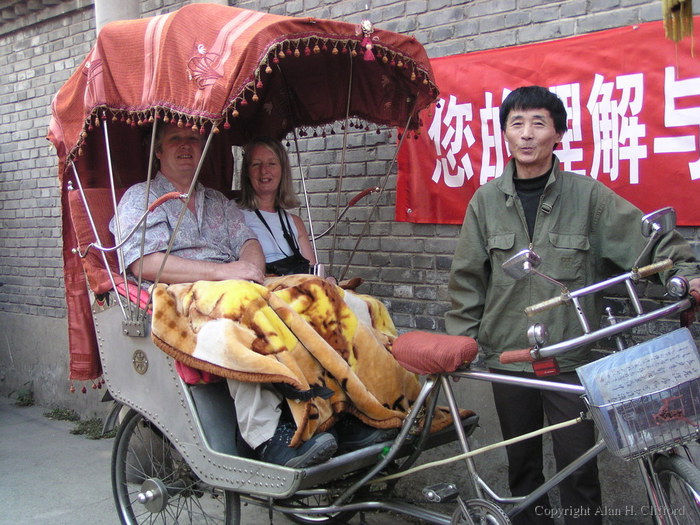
(319, 500)
(152, 483)
(680, 483)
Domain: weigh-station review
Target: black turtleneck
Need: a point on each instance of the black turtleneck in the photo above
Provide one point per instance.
(529, 192)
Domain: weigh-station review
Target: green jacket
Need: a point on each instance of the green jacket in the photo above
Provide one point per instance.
(584, 232)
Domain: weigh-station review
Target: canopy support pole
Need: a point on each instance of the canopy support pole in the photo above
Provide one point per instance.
(381, 191)
(307, 204)
(120, 254)
(342, 169)
(149, 177)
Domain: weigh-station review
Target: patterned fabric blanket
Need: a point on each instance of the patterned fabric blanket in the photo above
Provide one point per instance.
(331, 346)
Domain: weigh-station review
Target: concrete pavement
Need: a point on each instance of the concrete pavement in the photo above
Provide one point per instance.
(49, 476)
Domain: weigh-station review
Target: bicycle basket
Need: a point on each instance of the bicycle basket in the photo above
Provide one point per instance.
(646, 398)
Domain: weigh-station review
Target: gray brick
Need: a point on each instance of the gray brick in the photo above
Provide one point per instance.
(426, 323)
(424, 292)
(424, 230)
(401, 229)
(545, 14)
(518, 19)
(423, 261)
(573, 8)
(466, 28)
(604, 5)
(439, 245)
(651, 12)
(491, 41)
(492, 23)
(599, 21)
(441, 34)
(405, 291)
(439, 5)
(294, 8)
(486, 8)
(548, 31)
(527, 4)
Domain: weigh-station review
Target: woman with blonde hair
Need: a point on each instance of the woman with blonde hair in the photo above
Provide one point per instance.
(266, 195)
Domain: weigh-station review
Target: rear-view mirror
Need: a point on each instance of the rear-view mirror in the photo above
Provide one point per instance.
(659, 222)
(521, 264)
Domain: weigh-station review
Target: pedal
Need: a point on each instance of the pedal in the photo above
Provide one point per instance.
(441, 492)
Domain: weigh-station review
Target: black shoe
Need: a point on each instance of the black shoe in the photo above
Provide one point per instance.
(277, 450)
(353, 434)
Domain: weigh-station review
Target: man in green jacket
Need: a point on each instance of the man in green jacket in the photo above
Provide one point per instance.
(584, 233)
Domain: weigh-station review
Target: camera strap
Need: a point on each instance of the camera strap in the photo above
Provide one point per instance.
(286, 231)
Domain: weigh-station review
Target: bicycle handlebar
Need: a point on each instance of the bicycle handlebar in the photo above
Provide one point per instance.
(654, 268)
(517, 356)
(546, 305)
(613, 329)
(565, 297)
(534, 354)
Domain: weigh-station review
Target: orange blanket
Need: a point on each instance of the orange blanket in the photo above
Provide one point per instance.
(299, 330)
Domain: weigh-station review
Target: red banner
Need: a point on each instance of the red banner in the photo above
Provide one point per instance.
(633, 106)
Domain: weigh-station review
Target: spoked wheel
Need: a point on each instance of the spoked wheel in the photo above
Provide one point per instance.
(680, 483)
(319, 498)
(479, 512)
(152, 483)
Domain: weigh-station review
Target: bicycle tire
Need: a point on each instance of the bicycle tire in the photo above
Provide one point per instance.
(324, 499)
(143, 459)
(680, 486)
(326, 519)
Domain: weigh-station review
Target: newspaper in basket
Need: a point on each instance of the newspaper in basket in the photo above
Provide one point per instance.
(647, 397)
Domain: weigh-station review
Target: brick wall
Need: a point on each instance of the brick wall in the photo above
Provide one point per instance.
(406, 265)
(38, 51)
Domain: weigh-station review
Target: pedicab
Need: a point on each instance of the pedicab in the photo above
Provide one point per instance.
(232, 74)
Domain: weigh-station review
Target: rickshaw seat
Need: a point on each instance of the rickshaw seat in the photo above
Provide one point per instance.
(217, 415)
(428, 353)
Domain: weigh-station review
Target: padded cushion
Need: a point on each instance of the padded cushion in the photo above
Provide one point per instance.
(101, 207)
(428, 353)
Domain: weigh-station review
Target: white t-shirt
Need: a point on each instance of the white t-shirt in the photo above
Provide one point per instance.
(274, 248)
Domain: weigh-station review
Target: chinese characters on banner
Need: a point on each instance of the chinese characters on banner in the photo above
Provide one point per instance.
(633, 106)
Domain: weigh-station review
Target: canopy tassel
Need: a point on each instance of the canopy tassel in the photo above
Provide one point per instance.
(678, 19)
(367, 30)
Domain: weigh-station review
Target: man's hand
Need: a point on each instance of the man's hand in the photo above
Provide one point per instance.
(244, 270)
(253, 258)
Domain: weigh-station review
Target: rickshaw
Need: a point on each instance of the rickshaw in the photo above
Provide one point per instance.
(232, 75)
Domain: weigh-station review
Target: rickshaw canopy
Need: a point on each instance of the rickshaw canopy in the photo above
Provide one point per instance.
(240, 74)
(222, 70)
